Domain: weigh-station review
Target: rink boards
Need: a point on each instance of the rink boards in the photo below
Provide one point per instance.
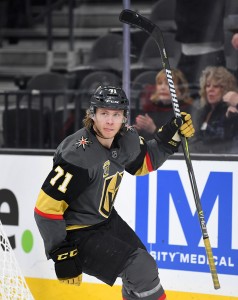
(159, 207)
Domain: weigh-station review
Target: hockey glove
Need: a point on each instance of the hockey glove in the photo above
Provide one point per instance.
(68, 267)
(187, 129)
(169, 133)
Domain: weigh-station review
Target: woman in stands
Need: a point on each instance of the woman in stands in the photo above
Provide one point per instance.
(157, 105)
(215, 127)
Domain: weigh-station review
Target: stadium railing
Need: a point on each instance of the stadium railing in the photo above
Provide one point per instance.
(39, 119)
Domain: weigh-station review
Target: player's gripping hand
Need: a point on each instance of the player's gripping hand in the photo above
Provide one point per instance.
(169, 133)
(187, 129)
(68, 267)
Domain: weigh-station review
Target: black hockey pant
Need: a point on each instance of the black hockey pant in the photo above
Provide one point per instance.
(140, 278)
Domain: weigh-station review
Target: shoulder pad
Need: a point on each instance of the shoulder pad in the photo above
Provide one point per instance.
(130, 143)
(80, 149)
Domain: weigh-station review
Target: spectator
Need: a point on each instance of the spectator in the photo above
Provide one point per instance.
(201, 34)
(157, 105)
(214, 130)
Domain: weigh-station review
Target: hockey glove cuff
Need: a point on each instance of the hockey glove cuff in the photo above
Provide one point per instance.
(68, 267)
(187, 129)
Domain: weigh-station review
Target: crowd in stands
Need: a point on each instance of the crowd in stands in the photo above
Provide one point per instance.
(214, 114)
(202, 64)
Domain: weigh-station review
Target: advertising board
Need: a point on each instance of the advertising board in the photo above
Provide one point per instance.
(159, 207)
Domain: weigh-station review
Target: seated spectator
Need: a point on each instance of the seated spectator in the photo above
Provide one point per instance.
(157, 105)
(214, 129)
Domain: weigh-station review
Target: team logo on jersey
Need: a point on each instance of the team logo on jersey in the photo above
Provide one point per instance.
(114, 154)
(110, 189)
(106, 168)
(83, 142)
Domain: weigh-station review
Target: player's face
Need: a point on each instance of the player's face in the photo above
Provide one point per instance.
(108, 121)
(214, 92)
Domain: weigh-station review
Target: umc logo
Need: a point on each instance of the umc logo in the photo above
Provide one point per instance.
(168, 224)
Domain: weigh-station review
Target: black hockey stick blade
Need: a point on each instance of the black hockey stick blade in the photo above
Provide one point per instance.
(132, 18)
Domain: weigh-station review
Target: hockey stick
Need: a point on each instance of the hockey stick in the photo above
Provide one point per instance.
(132, 18)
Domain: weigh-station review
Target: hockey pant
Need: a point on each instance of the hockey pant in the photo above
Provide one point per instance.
(140, 278)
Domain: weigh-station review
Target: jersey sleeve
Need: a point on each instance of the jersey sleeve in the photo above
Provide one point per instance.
(63, 184)
(151, 156)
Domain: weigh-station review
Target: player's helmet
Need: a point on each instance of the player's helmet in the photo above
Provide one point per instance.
(109, 97)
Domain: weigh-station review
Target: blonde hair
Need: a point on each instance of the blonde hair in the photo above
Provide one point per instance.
(221, 76)
(88, 121)
(179, 81)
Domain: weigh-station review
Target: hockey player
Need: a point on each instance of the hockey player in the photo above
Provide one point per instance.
(75, 212)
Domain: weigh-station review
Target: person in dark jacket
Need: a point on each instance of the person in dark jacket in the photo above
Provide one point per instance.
(214, 129)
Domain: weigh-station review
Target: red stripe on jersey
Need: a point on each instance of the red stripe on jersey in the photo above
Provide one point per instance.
(162, 297)
(48, 216)
(148, 162)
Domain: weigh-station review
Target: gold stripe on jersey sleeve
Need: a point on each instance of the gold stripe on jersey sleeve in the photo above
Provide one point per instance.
(73, 227)
(49, 205)
(142, 171)
(146, 166)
